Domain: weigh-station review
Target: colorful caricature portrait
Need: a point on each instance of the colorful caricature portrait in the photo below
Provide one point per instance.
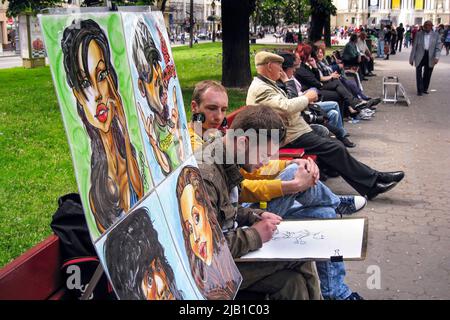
(205, 245)
(116, 183)
(163, 127)
(136, 261)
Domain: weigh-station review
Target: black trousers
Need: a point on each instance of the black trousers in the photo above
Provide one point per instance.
(367, 65)
(333, 154)
(393, 43)
(398, 45)
(342, 93)
(423, 74)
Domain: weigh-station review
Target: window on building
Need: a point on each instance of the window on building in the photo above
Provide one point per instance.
(396, 4)
(419, 4)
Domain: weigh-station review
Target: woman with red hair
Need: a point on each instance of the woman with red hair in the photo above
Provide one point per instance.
(333, 90)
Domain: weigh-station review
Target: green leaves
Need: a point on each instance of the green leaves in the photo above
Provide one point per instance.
(323, 7)
(16, 7)
(270, 12)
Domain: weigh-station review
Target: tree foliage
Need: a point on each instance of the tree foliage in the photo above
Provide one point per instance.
(15, 7)
(160, 4)
(270, 12)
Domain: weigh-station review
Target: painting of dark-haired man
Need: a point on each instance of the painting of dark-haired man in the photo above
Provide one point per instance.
(116, 184)
(162, 126)
(211, 263)
(136, 261)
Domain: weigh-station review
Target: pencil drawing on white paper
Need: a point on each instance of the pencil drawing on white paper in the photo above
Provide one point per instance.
(298, 237)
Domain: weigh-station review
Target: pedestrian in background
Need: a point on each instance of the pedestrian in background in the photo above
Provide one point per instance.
(400, 33)
(380, 44)
(425, 55)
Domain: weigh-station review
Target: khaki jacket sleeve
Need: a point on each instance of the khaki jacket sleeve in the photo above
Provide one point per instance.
(240, 240)
(270, 97)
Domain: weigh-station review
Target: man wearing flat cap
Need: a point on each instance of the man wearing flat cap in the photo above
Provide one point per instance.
(264, 57)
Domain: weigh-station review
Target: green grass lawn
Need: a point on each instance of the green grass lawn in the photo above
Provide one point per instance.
(34, 155)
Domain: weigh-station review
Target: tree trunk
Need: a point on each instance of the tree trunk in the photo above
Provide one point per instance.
(327, 32)
(235, 46)
(317, 25)
(163, 5)
(191, 23)
(300, 19)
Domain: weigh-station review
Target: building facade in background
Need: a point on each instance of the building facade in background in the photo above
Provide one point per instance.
(179, 14)
(372, 12)
(3, 25)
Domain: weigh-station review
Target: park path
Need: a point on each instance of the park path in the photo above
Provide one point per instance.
(409, 227)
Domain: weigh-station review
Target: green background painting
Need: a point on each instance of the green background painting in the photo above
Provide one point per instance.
(53, 27)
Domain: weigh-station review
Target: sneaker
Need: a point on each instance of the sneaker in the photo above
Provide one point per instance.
(367, 113)
(363, 116)
(354, 296)
(350, 204)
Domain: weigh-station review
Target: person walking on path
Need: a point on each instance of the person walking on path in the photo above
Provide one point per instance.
(425, 55)
(407, 37)
(447, 39)
(400, 33)
(380, 44)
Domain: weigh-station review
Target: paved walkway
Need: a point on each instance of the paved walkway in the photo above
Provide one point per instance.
(409, 227)
(10, 61)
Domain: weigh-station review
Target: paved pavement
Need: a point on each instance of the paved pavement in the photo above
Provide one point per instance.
(409, 227)
(10, 61)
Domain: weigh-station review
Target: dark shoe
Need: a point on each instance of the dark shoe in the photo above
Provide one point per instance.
(426, 92)
(419, 94)
(354, 296)
(387, 177)
(387, 58)
(373, 102)
(348, 143)
(380, 188)
(364, 79)
(370, 74)
(350, 204)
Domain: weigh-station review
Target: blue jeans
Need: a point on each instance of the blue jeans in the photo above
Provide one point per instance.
(317, 202)
(334, 115)
(380, 49)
